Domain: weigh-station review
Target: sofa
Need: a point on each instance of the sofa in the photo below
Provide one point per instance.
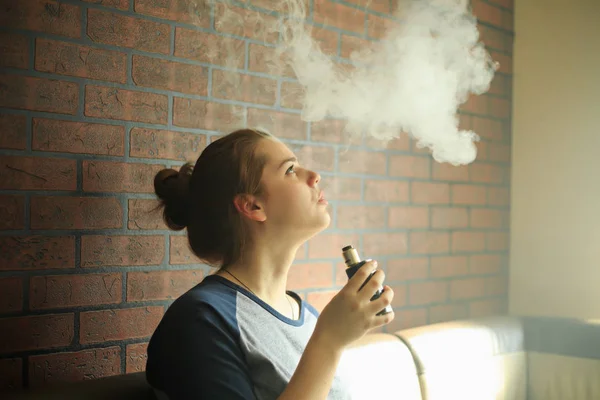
(499, 358)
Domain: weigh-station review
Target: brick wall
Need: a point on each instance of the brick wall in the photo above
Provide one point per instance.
(98, 95)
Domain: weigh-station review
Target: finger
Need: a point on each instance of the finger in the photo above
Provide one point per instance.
(361, 276)
(374, 284)
(384, 319)
(382, 302)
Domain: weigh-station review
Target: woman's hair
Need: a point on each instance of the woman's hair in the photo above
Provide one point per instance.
(200, 198)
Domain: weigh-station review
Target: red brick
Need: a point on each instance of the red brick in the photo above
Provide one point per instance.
(486, 218)
(163, 144)
(445, 218)
(14, 49)
(360, 217)
(200, 114)
(14, 135)
(486, 173)
(12, 294)
(410, 166)
(37, 252)
(500, 108)
(144, 214)
(467, 288)
(400, 297)
(504, 3)
(487, 307)
(35, 332)
(37, 173)
(76, 213)
(468, 241)
(128, 105)
(74, 366)
(378, 27)
(383, 7)
(168, 75)
(246, 23)
(67, 291)
(160, 285)
(119, 4)
(408, 217)
(11, 373)
(46, 16)
(428, 242)
(242, 87)
(499, 152)
(12, 212)
(339, 15)
(70, 59)
(281, 124)
(317, 158)
(329, 245)
(269, 60)
(109, 176)
(326, 39)
(488, 128)
(384, 244)
(496, 285)
(353, 44)
(386, 191)
(449, 172)
(499, 86)
(78, 137)
(292, 95)
(485, 263)
(447, 312)
(362, 162)
(487, 13)
(420, 293)
(406, 319)
(493, 38)
(468, 194)
(186, 11)
(497, 241)
(124, 31)
(406, 269)
(310, 276)
(430, 193)
(137, 355)
(477, 104)
(38, 94)
(119, 324)
(180, 251)
(328, 130)
(339, 188)
(482, 155)
(446, 266)
(121, 251)
(209, 48)
(320, 299)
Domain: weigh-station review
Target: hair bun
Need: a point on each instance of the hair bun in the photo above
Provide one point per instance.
(173, 189)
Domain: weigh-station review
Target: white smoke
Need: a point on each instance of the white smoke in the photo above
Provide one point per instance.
(412, 81)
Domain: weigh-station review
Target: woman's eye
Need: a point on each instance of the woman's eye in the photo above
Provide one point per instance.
(290, 170)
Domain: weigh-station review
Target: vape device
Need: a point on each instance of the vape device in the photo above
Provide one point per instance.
(353, 263)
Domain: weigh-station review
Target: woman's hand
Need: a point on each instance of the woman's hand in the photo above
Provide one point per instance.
(351, 314)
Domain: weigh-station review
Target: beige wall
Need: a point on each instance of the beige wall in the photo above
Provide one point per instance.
(555, 199)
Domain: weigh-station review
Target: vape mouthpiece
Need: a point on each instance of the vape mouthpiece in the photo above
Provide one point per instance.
(350, 256)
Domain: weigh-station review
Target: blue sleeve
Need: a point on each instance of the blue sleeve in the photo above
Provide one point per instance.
(202, 361)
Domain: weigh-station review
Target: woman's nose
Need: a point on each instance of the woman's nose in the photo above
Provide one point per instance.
(314, 178)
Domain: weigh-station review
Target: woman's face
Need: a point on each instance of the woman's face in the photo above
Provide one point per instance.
(292, 199)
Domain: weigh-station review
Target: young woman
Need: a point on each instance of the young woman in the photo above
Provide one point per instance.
(248, 207)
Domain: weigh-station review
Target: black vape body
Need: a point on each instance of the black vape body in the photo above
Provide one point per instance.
(353, 264)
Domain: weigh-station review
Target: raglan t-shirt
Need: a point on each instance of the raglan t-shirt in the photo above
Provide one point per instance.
(219, 341)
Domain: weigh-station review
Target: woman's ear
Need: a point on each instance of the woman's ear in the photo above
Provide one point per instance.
(250, 207)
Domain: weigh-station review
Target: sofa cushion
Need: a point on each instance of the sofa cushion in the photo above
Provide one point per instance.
(477, 359)
(379, 366)
(563, 358)
(126, 387)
